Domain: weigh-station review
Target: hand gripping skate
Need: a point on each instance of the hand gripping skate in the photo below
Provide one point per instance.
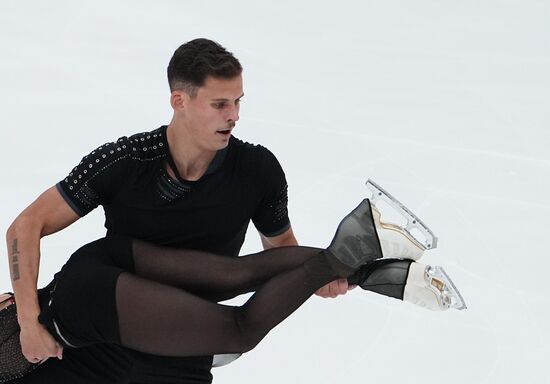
(409, 237)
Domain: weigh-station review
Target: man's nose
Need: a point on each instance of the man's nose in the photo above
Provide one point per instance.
(233, 113)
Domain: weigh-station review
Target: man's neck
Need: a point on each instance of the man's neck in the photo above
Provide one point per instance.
(192, 161)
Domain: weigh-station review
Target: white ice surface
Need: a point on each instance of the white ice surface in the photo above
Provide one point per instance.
(441, 102)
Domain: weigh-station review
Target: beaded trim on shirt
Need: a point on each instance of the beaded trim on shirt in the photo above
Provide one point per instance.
(142, 147)
(280, 205)
(170, 189)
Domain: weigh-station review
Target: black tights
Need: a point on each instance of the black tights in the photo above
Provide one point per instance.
(164, 300)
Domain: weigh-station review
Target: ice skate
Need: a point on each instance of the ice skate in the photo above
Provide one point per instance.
(365, 235)
(430, 287)
(408, 237)
(356, 242)
(426, 286)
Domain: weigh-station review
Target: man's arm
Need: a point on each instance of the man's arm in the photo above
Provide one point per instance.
(46, 215)
(283, 240)
(332, 290)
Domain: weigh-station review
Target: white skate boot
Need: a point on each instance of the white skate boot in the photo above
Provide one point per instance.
(426, 286)
(431, 288)
(407, 237)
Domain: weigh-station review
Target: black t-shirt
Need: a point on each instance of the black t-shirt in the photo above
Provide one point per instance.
(129, 179)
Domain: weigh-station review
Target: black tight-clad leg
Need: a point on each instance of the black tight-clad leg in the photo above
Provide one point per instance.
(157, 313)
(164, 278)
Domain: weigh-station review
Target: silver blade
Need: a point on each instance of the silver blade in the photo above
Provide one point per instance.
(449, 291)
(426, 239)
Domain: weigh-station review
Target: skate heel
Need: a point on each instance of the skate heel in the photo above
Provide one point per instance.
(430, 287)
(396, 242)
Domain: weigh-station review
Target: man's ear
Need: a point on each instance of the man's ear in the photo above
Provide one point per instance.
(178, 100)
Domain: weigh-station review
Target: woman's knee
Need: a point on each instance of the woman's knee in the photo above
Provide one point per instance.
(247, 334)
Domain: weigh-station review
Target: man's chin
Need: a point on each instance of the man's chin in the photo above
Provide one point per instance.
(221, 145)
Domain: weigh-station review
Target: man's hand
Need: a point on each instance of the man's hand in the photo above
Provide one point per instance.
(335, 288)
(38, 345)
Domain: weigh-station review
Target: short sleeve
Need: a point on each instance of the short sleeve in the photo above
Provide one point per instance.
(271, 216)
(97, 178)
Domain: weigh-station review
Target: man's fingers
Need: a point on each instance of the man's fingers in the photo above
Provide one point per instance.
(37, 357)
(35, 360)
(342, 286)
(334, 289)
(323, 292)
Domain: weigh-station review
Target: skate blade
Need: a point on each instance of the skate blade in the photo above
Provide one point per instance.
(414, 228)
(441, 282)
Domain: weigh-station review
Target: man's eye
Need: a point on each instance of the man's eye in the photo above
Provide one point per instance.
(219, 105)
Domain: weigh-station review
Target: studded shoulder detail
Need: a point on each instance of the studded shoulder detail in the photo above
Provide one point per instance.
(96, 162)
(99, 174)
(148, 145)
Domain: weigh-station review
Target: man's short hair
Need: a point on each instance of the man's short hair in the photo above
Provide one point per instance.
(197, 59)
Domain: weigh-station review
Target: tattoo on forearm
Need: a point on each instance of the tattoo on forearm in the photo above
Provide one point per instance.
(14, 261)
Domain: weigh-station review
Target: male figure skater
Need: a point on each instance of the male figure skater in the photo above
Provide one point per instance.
(189, 184)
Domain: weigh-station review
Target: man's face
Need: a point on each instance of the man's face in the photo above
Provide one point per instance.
(211, 115)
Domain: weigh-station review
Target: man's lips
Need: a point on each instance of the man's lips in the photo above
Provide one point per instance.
(226, 131)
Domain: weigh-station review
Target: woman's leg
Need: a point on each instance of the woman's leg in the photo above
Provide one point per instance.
(165, 320)
(97, 291)
(140, 287)
(210, 276)
(202, 273)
